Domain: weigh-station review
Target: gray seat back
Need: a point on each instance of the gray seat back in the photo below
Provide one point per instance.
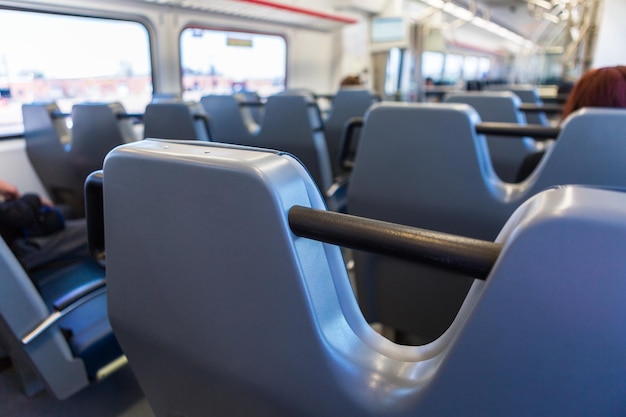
(260, 322)
(347, 103)
(97, 128)
(176, 120)
(228, 123)
(434, 172)
(590, 150)
(254, 108)
(507, 153)
(293, 124)
(530, 95)
(48, 361)
(47, 137)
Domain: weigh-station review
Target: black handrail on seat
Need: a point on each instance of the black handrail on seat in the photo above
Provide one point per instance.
(541, 108)
(94, 209)
(537, 132)
(251, 104)
(206, 121)
(119, 116)
(136, 116)
(471, 257)
(346, 144)
(60, 115)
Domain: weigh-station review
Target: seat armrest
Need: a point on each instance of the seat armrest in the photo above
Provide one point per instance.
(65, 305)
(76, 294)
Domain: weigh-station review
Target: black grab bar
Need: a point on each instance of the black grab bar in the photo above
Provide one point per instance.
(459, 254)
(541, 108)
(348, 142)
(94, 210)
(537, 132)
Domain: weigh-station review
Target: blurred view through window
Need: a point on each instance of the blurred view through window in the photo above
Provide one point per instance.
(225, 62)
(70, 59)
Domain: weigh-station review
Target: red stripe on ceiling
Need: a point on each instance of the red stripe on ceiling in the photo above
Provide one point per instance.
(301, 10)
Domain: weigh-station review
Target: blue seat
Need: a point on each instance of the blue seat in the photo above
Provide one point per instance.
(97, 128)
(507, 155)
(261, 322)
(435, 172)
(293, 124)
(47, 139)
(347, 103)
(252, 105)
(55, 326)
(64, 159)
(528, 94)
(176, 120)
(228, 123)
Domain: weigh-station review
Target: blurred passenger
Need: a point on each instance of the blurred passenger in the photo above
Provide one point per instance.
(350, 81)
(36, 232)
(601, 87)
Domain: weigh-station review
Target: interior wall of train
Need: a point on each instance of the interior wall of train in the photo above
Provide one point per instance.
(172, 47)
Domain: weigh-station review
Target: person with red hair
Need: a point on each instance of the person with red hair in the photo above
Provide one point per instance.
(600, 87)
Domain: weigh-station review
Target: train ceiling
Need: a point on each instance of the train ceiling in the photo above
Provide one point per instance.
(267, 11)
(523, 17)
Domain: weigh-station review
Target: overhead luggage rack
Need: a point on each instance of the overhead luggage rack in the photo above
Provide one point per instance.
(268, 11)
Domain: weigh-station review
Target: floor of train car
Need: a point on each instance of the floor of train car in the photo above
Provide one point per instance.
(118, 395)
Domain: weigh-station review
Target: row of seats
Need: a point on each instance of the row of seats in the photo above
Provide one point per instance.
(54, 325)
(528, 95)
(106, 110)
(60, 338)
(435, 172)
(62, 158)
(507, 155)
(53, 320)
(291, 122)
(262, 322)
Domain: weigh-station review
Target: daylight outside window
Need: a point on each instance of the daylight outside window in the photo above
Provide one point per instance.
(70, 59)
(453, 68)
(432, 65)
(225, 62)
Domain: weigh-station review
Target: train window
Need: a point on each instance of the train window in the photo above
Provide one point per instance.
(484, 65)
(70, 59)
(470, 68)
(392, 71)
(453, 68)
(432, 65)
(226, 62)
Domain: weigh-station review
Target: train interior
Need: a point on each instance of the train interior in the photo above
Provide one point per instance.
(338, 207)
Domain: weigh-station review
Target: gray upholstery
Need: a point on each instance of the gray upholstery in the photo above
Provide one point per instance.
(47, 138)
(527, 94)
(175, 120)
(228, 123)
(255, 111)
(435, 172)
(347, 103)
(292, 123)
(97, 128)
(236, 316)
(62, 364)
(507, 154)
(530, 95)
